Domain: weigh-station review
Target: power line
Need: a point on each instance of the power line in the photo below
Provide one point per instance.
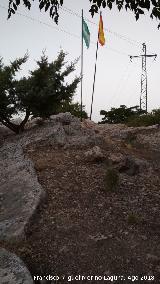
(40, 22)
(122, 82)
(62, 30)
(122, 37)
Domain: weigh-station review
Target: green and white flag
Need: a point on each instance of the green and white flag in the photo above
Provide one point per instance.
(86, 34)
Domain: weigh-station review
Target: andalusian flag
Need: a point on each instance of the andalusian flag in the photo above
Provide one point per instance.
(86, 33)
(101, 37)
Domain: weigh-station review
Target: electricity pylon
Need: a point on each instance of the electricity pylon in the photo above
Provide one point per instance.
(144, 93)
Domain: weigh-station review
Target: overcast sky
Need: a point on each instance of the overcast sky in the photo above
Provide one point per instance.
(118, 79)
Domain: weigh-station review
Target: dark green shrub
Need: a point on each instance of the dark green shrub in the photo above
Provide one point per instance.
(145, 119)
(120, 114)
(132, 219)
(111, 179)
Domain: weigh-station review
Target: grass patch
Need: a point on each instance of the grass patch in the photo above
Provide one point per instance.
(111, 179)
(132, 219)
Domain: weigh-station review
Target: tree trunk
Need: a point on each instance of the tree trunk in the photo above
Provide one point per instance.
(14, 127)
(21, 126)
(9, 124)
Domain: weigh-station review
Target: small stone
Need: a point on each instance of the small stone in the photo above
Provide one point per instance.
(152, 257)
(158, 268)
(144, 238)
(110, 236)
(64, 249)
(98, 238)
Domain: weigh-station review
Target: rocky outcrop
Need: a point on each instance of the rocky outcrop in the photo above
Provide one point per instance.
(20, 192)
(13, 269)
(64, 118)
(62, 130)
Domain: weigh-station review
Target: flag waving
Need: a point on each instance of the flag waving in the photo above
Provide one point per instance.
(101, 37)
(86, 34)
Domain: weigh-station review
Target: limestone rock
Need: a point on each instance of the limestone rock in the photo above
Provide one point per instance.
(20, 192)
(64, 118)
(129, 166)
(95, 154)
(87, 123)
(13, 269)
(116, 158)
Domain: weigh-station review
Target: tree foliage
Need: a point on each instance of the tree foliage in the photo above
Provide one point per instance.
(74, 109)
(40, 94)
(120, 115)
(8, 102)
(138, 7)
(148, 119)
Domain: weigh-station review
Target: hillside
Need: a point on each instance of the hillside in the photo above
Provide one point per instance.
(67, 220)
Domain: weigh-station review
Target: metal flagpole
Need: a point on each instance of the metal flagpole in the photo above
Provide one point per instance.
(82, 68)
(94, 77)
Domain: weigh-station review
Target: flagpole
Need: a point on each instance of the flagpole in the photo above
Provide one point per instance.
(82, 68)
(94, 77)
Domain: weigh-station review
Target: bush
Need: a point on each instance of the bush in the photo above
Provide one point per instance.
(145, 119)
(111, 179)
(120, 114)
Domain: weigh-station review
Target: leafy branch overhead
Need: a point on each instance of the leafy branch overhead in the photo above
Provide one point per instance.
(48, 5)
(138, 7)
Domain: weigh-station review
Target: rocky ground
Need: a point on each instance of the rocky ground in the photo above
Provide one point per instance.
(81, 227)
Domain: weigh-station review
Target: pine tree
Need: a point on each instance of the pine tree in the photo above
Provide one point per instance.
(41, 94)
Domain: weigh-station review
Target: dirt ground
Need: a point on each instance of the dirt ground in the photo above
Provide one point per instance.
(83, 229)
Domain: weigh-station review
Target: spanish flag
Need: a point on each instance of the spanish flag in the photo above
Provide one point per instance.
(101, 37)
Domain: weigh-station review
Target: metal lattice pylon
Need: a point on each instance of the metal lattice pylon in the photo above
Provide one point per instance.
(144, 93)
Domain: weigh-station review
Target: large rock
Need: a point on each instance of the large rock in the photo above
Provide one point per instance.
(130, 167)
(62, 130)
(20, 192)
(13, 269)
(65, 118)
(49, 133)
(127, 164)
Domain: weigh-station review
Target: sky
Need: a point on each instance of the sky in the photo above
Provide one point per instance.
(117, 78)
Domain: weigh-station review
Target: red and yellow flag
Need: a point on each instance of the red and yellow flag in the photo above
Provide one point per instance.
(101, 37)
